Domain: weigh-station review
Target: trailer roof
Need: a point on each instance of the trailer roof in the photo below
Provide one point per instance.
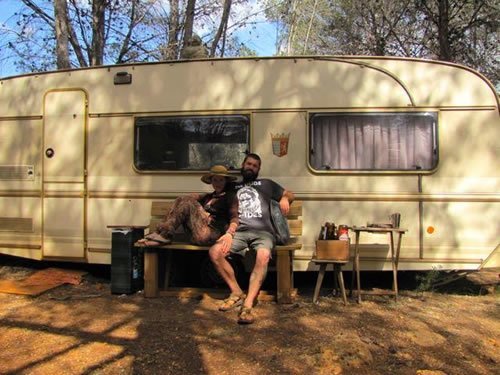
(277, 83)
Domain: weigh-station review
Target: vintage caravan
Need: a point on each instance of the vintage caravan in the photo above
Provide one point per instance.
(355, 138)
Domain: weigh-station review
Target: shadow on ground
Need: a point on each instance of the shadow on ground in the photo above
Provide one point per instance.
(85, 329)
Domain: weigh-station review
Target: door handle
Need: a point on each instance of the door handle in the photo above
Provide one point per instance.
(49, 152)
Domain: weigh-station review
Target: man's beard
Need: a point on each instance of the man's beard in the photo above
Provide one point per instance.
(248, 175)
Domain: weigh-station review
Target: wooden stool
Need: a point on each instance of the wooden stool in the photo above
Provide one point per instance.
(337, 269)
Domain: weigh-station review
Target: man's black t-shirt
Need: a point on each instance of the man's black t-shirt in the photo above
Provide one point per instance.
(254, 198)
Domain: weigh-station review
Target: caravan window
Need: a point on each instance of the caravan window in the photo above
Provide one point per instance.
(190, 142)
(373, 141)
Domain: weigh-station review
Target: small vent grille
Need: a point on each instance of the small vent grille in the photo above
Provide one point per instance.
(17, 172)
(16, 224)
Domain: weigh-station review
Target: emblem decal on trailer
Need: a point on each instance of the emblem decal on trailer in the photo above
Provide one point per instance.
(280, 144)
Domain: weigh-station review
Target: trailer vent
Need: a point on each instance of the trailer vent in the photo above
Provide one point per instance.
(17, 172)
(16, 224)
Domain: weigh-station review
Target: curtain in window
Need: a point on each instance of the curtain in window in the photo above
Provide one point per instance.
(372, 142)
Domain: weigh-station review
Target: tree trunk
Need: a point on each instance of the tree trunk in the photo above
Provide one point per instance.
(126, 41)
(292, 27)
(173, 31)
(188, 24)
(98, 19)
(309, 27)
(443, 30)
(222, 27)
(62, 33)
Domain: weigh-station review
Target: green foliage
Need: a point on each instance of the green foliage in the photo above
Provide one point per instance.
(460, 31)
(427, 280)
(301, 24)
(245, 51)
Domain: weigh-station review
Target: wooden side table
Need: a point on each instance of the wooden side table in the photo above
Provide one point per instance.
(394, 255)
(337, 269)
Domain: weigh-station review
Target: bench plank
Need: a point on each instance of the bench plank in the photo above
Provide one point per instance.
(162, 208)
(295, 227)
(180, 246)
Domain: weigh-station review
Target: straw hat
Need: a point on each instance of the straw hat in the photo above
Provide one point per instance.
(217, 170)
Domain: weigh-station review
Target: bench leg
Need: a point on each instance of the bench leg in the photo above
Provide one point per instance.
(319, 281)
(284, 275)
(150, 274)
(168, 268)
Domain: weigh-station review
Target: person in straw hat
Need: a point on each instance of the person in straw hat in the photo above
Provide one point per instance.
(211, 217)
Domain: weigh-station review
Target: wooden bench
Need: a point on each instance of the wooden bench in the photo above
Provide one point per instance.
(282, 253)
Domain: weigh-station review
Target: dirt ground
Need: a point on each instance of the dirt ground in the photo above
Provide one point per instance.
(84, 329)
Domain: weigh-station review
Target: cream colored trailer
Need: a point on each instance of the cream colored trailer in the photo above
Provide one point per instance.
(87, 148)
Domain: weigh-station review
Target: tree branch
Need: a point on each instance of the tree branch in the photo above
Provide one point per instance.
(40, 12)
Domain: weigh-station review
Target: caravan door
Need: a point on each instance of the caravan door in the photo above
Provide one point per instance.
(64, 180)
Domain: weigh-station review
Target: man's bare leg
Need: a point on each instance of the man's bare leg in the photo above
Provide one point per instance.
(257, 276)
(224, 268)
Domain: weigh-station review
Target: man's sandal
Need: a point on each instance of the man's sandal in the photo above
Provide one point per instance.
(245, 316)
(234, 300)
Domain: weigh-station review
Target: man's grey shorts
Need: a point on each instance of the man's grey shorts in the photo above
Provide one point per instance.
(251, 240)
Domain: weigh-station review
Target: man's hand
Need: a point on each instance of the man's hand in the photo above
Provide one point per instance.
(284, 205)
(225, 242)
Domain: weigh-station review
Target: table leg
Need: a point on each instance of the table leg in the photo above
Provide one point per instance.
(400, 237)
(335, 280)
(319, 281)
(394, 267)
(356, 259)
(353, 273)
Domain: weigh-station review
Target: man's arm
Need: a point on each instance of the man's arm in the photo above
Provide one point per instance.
(286, 199)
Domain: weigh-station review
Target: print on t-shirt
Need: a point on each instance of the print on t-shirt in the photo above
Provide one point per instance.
(249, 203)
(254, 197)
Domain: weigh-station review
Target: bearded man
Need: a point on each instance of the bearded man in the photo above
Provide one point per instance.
(255, 233)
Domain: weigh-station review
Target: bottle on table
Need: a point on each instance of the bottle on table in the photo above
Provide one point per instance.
(343, 233)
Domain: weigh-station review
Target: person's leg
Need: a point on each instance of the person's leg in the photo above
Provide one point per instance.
(257, 276)
(224, 268)
(201, 231)
(226, 271)
(175, 216)
(187, 211)
(262, 243)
